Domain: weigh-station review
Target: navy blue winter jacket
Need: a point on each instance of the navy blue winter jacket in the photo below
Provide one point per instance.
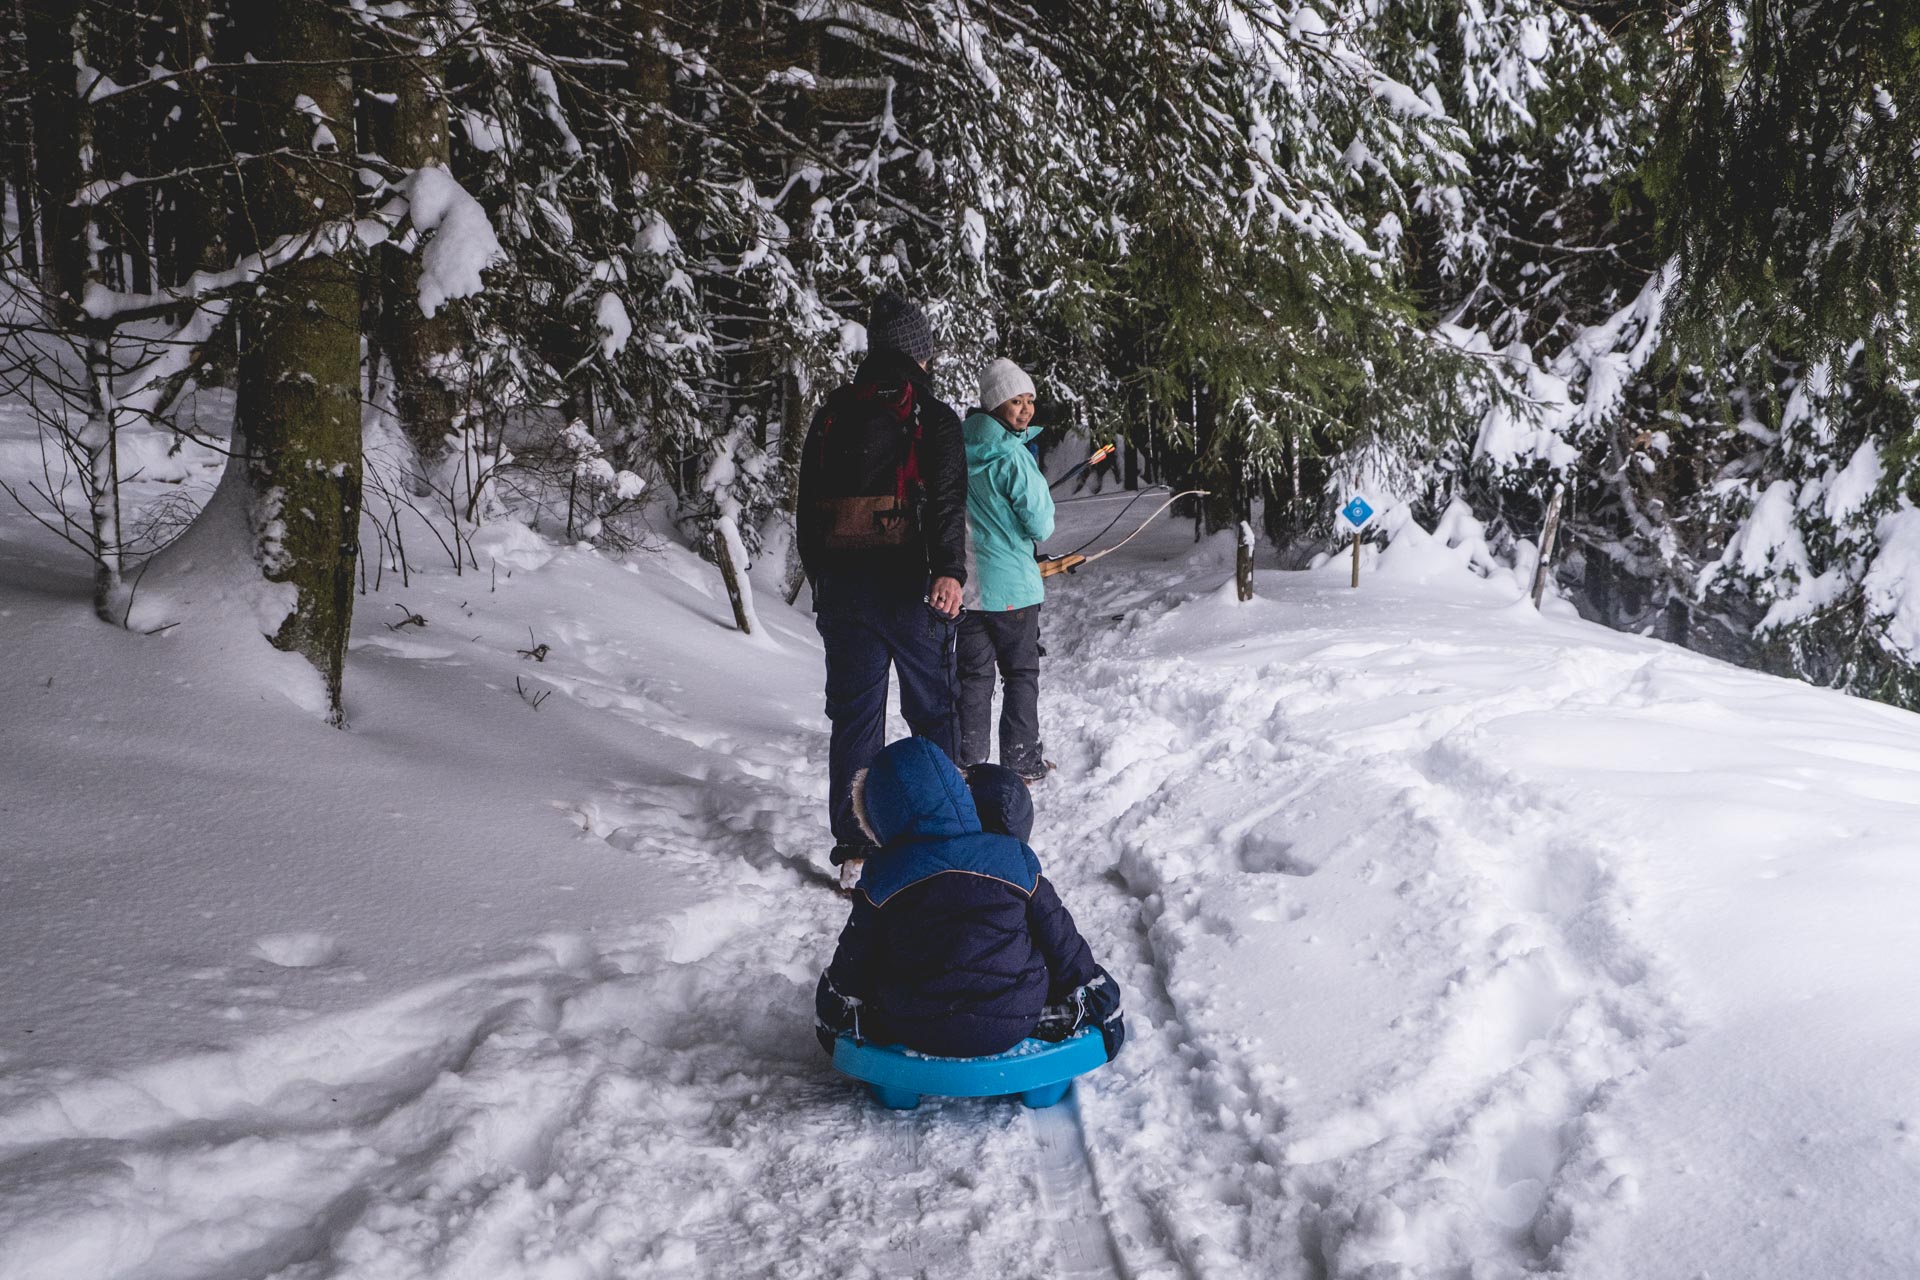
(956, 942)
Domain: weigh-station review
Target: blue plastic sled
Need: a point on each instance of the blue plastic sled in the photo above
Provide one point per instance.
(1040, 1071)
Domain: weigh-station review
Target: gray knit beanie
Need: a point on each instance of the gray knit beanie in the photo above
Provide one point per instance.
(1001, 381)
(897, 325)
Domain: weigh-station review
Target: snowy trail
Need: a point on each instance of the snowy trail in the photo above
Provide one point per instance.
(1417, 901)
(533, 1116)
(1478, 920)
(538, 1110)
(946, 1190)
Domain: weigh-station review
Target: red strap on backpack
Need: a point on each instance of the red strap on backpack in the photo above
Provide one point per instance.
(904, 406)
(909, 471)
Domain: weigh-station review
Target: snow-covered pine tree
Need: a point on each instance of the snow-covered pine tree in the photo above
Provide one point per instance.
(194, 167)
(1790, 201)
(558, 122)
(1732, 425)
(1266, 313)
(1537, 262)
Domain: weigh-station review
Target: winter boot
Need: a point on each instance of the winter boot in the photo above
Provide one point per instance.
(1040, 774)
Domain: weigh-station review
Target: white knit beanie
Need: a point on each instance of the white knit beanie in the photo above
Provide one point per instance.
(1001, 382)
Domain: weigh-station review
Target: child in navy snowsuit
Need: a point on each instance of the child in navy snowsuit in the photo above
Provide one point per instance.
(957, 945)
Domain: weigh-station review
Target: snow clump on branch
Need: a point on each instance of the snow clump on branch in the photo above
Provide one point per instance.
(463, 243)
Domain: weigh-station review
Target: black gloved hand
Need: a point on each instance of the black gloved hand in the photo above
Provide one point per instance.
(1102, 1001)
(833, 1014)
(1093, 1004)
(1057, 1022)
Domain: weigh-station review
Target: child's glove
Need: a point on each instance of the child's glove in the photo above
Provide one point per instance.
(834, 1014)
(1094, 1004)
(1103, 1011)
(1057, 1022)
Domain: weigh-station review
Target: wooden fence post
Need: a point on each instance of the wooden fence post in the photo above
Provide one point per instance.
(731, 576)
(1546, 543)
(1243, 563)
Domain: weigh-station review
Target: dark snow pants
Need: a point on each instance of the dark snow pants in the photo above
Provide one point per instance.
(1009, 641)
(867, 626)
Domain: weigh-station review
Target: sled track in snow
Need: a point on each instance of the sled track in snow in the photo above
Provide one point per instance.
(1069, 1201)
(1066, 1201)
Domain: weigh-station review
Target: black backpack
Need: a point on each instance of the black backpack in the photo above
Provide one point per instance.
(868, 489)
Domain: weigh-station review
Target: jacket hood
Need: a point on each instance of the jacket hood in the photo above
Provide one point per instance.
(986, 434)
(911, 791)
(1003, 801)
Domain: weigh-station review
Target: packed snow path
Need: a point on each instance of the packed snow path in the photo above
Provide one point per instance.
(1456, 942)
(1391, 978)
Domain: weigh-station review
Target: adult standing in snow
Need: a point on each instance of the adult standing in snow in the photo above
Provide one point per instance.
(882, 536)
(1009, 508)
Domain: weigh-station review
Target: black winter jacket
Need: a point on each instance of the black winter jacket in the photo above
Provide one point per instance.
(956, 942)
(939, 549)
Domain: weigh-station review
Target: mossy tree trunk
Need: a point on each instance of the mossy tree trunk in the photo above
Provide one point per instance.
(411, 132)
(298, 405)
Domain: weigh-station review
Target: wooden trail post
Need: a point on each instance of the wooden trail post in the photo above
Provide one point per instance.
(1243, 564)
(1356, 557)
(731, 576)
(1547, 537)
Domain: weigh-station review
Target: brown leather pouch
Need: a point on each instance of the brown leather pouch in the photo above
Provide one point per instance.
(865, 524)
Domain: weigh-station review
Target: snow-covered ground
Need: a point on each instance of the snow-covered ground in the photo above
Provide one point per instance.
(1458, 941)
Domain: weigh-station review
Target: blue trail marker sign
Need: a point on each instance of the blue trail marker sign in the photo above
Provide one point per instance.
(1356, 513)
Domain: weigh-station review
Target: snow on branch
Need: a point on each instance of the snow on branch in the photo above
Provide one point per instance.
(325, 240)
(1613, 351)
(859, 17)
(549, 91)
(463, 243)
(141, 392)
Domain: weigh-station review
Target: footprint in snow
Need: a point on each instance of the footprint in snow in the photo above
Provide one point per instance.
(1263, 854)
(297, 950)
(399, 647)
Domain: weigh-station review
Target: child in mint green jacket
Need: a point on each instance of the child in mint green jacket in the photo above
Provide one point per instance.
(1008, 510)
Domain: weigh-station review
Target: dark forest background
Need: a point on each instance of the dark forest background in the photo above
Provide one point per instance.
(594, 263)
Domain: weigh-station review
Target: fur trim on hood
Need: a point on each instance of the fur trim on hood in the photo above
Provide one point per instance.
(860, 804)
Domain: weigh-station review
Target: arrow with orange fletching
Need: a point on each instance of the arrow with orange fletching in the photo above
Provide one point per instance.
(1100, 455)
